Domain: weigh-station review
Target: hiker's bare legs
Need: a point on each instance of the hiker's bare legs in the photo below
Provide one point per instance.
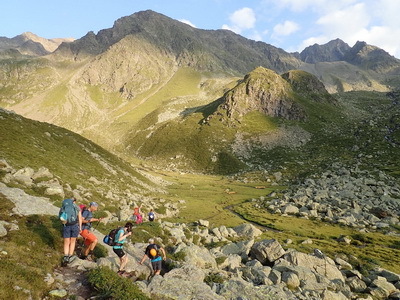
(90, 248)
(71, 246)
(124, 261)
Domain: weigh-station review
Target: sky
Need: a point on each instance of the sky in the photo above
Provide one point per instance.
(288, 24)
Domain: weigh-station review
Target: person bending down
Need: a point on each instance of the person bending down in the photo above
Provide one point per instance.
(87, 234)
(153, 253)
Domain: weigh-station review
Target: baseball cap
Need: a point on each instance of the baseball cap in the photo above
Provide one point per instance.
(93, 204)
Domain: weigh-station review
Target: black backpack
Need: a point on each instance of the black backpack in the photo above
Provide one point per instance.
(109, 239)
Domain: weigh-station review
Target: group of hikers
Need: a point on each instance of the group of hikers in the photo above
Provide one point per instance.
(78, 221)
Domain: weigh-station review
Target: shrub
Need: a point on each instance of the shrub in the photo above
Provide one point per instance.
(213, 278)
(220, 260)
(109, 285)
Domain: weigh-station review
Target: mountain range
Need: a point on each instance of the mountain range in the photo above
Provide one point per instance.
(152, 87)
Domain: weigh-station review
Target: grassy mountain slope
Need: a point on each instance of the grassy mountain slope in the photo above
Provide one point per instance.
(219, 137)
(71, 158)
(226, 136)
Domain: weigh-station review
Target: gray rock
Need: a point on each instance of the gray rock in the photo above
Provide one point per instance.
(381, 288)
(267, 251)
(199, 256)
(29, 205)
(231, 248)
(257, 274)
(176, 286)
(247, 230)
(275, 276)
(203, 223)
(291, 279)
(356, 284)
(329, 295)
(389, 275)
(42, 173)
(290, 210)
(323, 266)
(239, 289)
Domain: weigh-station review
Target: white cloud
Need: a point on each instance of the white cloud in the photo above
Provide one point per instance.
(345, 23)
(188, 23)
(241, 19)
(285, 28)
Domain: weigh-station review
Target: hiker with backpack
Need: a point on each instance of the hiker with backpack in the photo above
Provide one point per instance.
(90, 240)
(151, 215)
(70, 215)
(120, 239)
(153, 253)
(137, 216)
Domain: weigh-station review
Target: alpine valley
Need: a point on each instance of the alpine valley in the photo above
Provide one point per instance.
(251, 157)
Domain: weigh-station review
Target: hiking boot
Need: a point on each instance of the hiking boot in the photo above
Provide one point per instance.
(72, 258)
(120, 272)
(89, 258)
(64, 261)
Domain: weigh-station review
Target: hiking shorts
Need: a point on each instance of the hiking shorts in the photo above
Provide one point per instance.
(88, 236)
(156, 265)
(119, 251)
(71, 231)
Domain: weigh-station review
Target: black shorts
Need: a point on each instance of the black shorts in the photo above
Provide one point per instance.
(156, 265)
(119, 251)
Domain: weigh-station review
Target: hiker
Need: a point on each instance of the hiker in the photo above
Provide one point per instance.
(153, 253)
(137, 216)
(90, 240)
(120, 239)
(71, 228)
(151, 215)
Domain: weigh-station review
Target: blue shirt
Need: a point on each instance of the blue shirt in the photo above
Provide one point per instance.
(87, 215)
(117, 236)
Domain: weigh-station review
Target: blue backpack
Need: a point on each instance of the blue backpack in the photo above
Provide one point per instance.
(68, 212)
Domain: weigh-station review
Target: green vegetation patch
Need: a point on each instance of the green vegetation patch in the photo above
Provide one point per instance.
(111, 286)
(28, 254)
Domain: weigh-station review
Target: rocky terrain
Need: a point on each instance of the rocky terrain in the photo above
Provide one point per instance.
(346, 196)
(243, 266)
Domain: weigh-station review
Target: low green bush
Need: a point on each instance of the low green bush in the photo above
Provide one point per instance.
(213, 278)
(111, 286)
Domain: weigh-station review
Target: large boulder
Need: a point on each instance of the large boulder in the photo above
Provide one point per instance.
(29, 205)
(182, 283)
(323, 266)
(199, 256)
(42, 173)
(240, 289)
(247, 230)
(267, 251)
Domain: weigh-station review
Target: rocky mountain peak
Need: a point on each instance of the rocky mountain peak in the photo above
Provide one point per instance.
(371, 57)
(265, 91)
(334, 50)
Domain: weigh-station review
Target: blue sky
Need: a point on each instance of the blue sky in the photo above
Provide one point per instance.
(288, 24)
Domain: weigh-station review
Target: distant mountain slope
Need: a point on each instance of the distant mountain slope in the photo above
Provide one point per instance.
(31, 44)
(361, 54)
(212, 50)
(220, 136)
